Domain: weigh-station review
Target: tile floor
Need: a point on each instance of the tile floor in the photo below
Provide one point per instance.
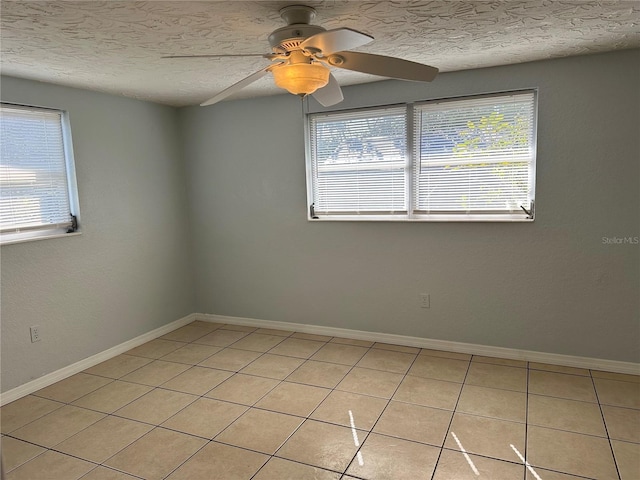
(224, 402)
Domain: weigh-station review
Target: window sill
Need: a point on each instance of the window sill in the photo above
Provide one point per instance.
(433, 219)
(13, 238)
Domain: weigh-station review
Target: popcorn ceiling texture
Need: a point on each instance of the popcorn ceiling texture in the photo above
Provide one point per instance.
(115, 46)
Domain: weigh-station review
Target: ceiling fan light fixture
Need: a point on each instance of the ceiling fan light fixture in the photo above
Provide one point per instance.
(301, 78)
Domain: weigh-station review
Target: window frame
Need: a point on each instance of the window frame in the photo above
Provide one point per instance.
(411, 216)
(71, 228)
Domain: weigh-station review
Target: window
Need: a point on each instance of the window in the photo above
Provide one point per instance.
(37, 181)
(469, 159)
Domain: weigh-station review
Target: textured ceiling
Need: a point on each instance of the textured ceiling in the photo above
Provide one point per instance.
(116, 46)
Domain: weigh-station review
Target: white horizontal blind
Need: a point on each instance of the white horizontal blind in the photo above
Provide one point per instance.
(359, 162)
(34, 191)
(475, 156)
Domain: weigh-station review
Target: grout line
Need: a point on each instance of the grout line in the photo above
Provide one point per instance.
(453, 414)
(606, 429)
(526, 423)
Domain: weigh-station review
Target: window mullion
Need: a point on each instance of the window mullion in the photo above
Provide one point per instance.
(411, 159)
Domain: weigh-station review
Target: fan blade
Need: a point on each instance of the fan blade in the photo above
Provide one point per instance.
(335, 40)
(384, 66)
(265, 55)
(238, 86)
(330, 94)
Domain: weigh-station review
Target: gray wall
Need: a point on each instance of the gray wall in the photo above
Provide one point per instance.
(550, 286)
(130, 270)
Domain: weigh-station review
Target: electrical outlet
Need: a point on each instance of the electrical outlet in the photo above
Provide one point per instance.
(425, 300)
(35, 333)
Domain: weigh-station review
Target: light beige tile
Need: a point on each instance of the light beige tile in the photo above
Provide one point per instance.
(561, 385)
(197, 380)
(273, 366)
(444, 354)
(211, 326)
(414, 422)
(191, 354)
(230, 359)
(220, 462)
(439, 368)
(297, 347)
(155, 373)
(156, 454)
(155, 348)
(396, 348)
(104, 473)
(244, 389)
(279, 469)
(320, 374)
(571, 453)
(103, 439)
(493, 402)
(506, 362)
(221, 338)
(628, 459)
(188, 333)
(549, 475)
(260, 430)
(455, 466)
(311, 336)
(294, 399)
(72, 388)
(484, 436)
(25, 410)
(338, 353)
(275, 331)
(238, 328)
(352, 341)
(622, 423)
(51, 465)
(497, 376)
(394, 459)
(370, 382)
(618, 394)
(113, 396)
(156, 406)
(16, 452)
(322, 445)
(559, 369)
(387, 360)
(205, 417)
(119, 366)
(563, 414)
(621, 377)
(258, 342)
(57, 426)
(428, 392)
(342, 408)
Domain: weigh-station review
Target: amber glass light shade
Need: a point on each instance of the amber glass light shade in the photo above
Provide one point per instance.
(301, 78)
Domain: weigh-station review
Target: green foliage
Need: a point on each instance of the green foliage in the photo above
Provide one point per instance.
(492, 134)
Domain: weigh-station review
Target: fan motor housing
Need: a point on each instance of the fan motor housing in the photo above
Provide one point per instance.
(289, 38)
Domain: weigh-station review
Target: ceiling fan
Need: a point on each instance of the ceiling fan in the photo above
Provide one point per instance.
(302, 55)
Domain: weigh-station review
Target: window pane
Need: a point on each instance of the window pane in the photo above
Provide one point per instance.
(359, 162)
(475, 155)
(34, 189)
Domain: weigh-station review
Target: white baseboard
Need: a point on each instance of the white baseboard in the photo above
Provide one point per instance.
(470, 348)
(61, 374)
(459, 347)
